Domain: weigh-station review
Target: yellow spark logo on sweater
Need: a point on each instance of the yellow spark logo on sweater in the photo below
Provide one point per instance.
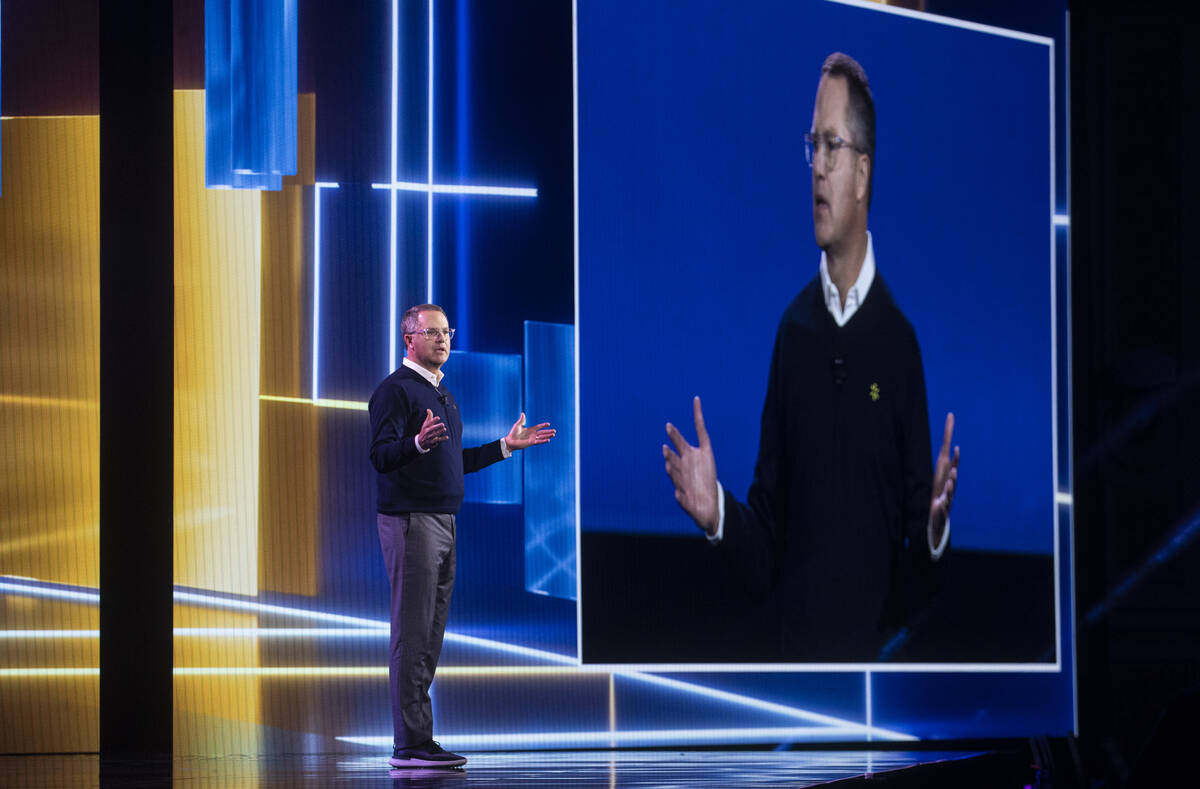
(874, 392)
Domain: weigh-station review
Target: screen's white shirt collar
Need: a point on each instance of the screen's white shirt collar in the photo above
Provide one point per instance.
(433, 378)
(858, 291)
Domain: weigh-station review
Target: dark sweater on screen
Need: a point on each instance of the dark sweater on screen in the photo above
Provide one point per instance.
(834, 528)
(409, 481)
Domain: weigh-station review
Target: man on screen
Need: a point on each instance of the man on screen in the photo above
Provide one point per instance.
(844, 521)
(417, 450)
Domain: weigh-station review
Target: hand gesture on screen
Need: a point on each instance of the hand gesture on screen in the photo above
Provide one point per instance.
(521, 437)
(694, 473)
(945, 478)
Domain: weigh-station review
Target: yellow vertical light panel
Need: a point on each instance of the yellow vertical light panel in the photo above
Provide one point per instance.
(217, 357)
(50, 350)
(289, 447)
(216, 714)
(50, 424)
(217, 332)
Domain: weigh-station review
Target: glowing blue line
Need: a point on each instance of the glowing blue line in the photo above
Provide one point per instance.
(1179, 537)
(460, 189)
(392, 197)
(429, 153)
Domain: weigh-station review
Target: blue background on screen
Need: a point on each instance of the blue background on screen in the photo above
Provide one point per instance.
(696, 231)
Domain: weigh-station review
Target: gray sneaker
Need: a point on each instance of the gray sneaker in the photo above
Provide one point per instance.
(428, 755)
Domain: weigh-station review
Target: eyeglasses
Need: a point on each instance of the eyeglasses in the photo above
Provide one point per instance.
(830, 143)
(432, 334)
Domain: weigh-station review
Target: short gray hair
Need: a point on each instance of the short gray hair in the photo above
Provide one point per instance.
(411, 322)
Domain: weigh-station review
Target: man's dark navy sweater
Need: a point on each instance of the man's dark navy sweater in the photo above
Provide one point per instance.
(408, 480)
(834, 528)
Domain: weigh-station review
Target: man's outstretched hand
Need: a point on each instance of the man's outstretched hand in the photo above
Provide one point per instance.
(433, 431)
(522, 437)
(694, 473)
(945, 479)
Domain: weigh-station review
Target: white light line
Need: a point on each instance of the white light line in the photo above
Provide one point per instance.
(49, 672)
(511, 649)
(759, 704)
(602, 739)
(281, 671)
(1063, 497)
(575, 328)
(280, 632)
(41, 591)
(1062, 220)
(483, 643)
(867, 716)
(828, 668)
(392, 195)
(1070, 387)
(266, 608)
(1054, 460)
(871, 5)
(49, 634)
(429, 154)
(460, 189)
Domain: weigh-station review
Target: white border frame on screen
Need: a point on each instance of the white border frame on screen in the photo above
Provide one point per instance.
(1059, 498)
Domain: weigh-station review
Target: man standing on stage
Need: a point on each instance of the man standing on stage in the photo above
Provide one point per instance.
(844, 520)
(417, 450)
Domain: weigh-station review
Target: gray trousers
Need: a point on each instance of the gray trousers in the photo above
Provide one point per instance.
(418, 550)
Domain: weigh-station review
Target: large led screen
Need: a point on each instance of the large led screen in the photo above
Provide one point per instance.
(696, 235)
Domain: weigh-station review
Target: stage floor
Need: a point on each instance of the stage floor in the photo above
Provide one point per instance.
(509, 770)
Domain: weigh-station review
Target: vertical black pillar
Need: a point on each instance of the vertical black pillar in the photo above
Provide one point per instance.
(136, 380)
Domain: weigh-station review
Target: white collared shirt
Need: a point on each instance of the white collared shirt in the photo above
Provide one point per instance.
(431, 377)
(858, 291)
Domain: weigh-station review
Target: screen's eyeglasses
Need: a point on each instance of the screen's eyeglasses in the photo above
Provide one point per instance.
(826, 145)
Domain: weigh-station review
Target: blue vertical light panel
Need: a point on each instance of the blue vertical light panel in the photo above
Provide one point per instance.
(487, 388)
(550, 551)
(250, 65)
